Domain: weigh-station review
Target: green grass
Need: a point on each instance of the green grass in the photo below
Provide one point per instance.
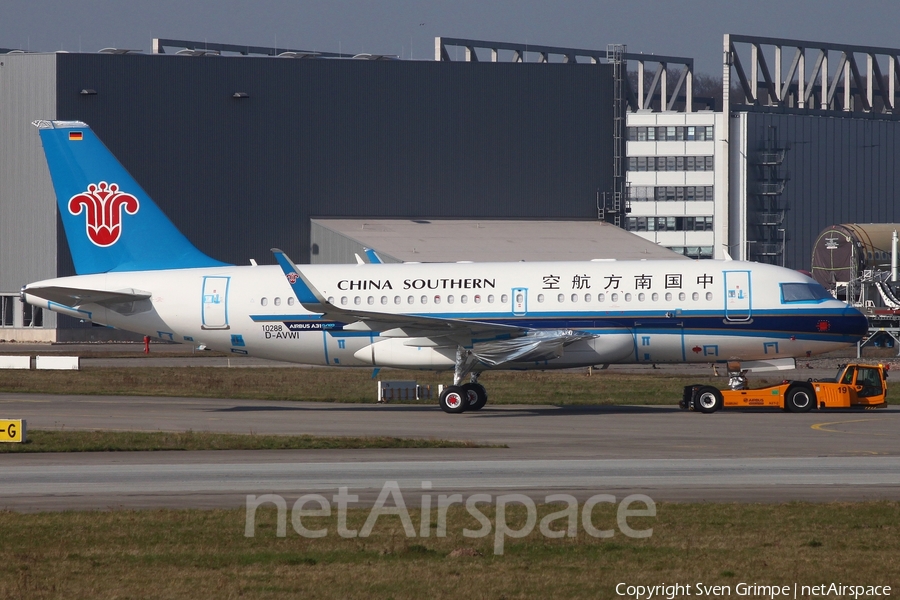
(131, 441)
(572, 387)
(204, 554)
(350, 385)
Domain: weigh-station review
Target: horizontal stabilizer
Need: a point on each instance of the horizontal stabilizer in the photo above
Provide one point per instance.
(79, 297)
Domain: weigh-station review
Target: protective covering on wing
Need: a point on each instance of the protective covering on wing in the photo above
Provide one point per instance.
(536, 345)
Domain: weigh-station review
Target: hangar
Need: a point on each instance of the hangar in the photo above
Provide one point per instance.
(242, 146)
(248, 147)
(506, 240)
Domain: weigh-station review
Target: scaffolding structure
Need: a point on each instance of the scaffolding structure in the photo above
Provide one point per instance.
(835, 83)
(615, 212)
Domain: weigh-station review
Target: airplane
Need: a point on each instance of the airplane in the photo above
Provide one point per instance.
(137, 272)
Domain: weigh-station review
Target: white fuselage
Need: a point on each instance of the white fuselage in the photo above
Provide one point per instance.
(637, 311)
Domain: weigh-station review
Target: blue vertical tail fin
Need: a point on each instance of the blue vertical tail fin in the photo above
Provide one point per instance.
(111, 224)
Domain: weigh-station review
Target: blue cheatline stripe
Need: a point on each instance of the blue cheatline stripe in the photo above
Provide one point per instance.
(595, 316)
(800, 325)
(279, 318)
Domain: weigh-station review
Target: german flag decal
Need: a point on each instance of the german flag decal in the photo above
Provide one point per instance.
(75, 136)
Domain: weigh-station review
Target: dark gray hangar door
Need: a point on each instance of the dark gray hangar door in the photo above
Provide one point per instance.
(356, 138)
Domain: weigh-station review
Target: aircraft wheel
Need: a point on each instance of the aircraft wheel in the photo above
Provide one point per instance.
(476, 394)
(709, 399)
(454, 399)
(799, 399)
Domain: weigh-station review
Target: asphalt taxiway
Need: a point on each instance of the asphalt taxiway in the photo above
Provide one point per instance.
(742, 455)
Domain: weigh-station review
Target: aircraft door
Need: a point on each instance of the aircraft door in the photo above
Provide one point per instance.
(519, 301)
(737, 296)
(215, 303)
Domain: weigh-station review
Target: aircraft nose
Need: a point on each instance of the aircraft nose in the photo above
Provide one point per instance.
(856, 323)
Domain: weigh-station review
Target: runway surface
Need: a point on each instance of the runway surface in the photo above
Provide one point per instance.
(661, 451)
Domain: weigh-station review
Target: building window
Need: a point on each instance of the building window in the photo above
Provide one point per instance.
(32, 316)
(6, 310)
(686, 133)
(670, 163)
(696, 252)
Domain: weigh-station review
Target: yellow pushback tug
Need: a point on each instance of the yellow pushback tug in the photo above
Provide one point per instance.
(856, 386)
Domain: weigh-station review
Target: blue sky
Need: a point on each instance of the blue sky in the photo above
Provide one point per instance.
(691, 28)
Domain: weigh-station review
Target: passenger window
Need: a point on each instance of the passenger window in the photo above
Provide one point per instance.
(681, 296)
(654, 297)
(627, 297)
(490, 298)
(343, 299)
(437, 299)
(277, 301)
(504, 298)
(641, 297)
(384, 300)
(464, 299)
(424, 299)
(561, 298)
(291, 301)
(410, 300)
(540, 297)
(357, 300)
(574, 297)
(614, 297)
(601, 297)
(264, 301)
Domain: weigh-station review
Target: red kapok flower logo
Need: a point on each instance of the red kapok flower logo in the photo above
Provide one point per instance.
(103, 205)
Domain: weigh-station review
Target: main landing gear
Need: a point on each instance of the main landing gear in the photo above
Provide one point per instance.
(458, 398)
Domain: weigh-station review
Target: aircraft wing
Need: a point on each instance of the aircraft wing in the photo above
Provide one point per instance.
(441, 331)
(77, 296)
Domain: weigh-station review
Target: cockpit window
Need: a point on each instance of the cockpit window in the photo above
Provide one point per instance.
(804, 292)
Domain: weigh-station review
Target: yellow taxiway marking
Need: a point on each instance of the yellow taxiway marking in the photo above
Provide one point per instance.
(823, 427)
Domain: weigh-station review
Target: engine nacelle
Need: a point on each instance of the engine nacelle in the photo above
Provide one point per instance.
(395, 353)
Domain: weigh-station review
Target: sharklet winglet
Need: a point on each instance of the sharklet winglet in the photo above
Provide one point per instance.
(373, 256)
(308, 296)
